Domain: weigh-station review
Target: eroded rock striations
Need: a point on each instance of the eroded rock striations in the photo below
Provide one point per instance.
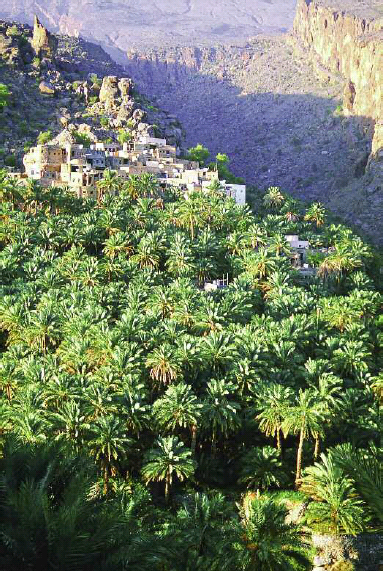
(347, 42)
(346, 39)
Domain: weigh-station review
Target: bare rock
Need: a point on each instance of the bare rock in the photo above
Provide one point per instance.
(125, 86)
(109, 91)
(321, 560)
(47, 88)
(44, 43)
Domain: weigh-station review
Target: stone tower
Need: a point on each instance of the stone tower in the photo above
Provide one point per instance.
(43, 42)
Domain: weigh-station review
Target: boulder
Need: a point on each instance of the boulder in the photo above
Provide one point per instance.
(138, 115)
(47, 88)
(321, 560)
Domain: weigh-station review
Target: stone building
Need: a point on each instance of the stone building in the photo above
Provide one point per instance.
(80, 168)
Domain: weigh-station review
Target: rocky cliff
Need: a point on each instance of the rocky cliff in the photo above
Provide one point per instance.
(348, 42)
(347, 39)
(344, 39)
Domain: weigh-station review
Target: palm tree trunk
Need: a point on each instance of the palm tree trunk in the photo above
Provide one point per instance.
(317, 444)
(279, 439)
(213, 445)
(194, 439)
(299, 459)
(106, 480)
(167, 487)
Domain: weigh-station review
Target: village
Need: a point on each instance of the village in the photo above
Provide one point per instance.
(80, 168)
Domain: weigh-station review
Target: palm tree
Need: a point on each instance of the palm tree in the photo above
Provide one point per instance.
(116, 244)
(260, 264)
(43, 328)
(49, 519)
(178, 408)
(336, 507)
(273, 197)
(180, 261)
(201, 528)
(274, 400)
(256, 236)
(107, 445)
(279, 244)
(189, 213)
(220, 411)
(169, 458)
(364, 467)
(219, 351)
(304, 418)
(70, 424)
(110, 183)
(164, 364)
(261, 468)
(316, 213)
(265, 542)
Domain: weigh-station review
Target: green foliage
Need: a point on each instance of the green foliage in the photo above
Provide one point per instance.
(10, 161)
(262, 468)
(82, 138)
(124, 136)
(199, 153)
(44, 137)
(27, 146)
(95, 79)
(343, 566)
(265, 541)
(4, 96)
(337, 509)
(169, 458)
(113, 353)
(104, 121)
(12, 31)
(221, 163)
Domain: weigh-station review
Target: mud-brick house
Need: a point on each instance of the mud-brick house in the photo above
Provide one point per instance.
(43, 163)
(299, 250)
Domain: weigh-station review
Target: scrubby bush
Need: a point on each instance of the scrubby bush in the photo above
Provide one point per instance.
(104, 121)
(44, 137)
(82, 139)
(4, 95)
(124, 136)
(10, 161)
(343, 566)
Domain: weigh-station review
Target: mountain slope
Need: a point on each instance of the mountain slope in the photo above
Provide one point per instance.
(127, 22)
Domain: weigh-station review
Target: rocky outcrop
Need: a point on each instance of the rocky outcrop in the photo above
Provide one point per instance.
(44, 43)
(114, 90)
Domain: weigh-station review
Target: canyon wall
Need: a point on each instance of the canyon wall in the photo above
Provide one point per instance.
(346, 41)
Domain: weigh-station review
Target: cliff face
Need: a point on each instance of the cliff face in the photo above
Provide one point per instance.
(348, 43)
(344, 39)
